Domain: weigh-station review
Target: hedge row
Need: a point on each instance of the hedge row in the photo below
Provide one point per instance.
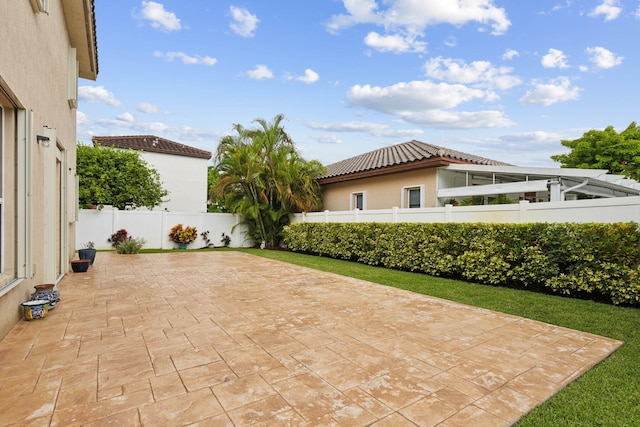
(597, 261)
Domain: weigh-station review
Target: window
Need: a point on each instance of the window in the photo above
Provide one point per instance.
(16, 141)
(413, 196)
(358, 201)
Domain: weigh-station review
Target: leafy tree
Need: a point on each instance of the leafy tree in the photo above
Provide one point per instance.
(605, 149)
(109, 176)
(214, 203)
(263, 178)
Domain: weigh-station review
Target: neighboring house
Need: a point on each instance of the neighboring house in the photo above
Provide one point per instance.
(183, 169)
(46, 46)
(419, 175)
(402, 175)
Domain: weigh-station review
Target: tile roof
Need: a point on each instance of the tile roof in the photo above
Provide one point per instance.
(152, 144)
(402, 154)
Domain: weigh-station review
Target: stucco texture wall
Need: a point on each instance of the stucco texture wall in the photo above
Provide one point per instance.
(184, 177)
(34, 76)
(382, 192)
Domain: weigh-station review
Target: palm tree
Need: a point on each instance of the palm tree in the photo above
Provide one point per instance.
(263, 178)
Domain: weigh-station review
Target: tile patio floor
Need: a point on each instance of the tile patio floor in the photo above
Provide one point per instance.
(229, 339)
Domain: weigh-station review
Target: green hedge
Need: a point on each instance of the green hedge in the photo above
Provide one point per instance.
(597, 261)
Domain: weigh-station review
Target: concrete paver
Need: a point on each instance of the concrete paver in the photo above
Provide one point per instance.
(230, 339)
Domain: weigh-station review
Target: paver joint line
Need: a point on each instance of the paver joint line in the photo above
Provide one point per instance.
(148, 340)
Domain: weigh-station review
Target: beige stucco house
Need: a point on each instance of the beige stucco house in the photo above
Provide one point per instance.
(419, 175)
(183, 169)
(402, 175)
(46, 46)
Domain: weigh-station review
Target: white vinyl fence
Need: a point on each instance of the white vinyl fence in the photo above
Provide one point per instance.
(619, 209)
(154, 226)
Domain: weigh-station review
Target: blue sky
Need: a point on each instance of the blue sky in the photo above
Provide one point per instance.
(504, 79)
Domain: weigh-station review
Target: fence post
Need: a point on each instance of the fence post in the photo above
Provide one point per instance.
(394, 212)
(163, 227)
(523, 211)
(355, 215)
(326, 216)
(114, 220)
(448, 210)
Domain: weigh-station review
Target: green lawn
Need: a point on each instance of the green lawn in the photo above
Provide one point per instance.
(607, 395)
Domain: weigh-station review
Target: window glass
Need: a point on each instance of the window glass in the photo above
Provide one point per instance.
(358, 201)
(414, 197)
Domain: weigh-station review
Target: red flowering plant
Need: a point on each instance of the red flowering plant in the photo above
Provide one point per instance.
(185, 235)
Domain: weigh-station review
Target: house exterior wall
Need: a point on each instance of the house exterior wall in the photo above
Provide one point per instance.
(381, 192)
(184, 177)
(37, 214)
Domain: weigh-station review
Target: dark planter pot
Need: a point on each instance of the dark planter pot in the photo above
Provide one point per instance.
(182, 245)
(80, 265)
(89, 254)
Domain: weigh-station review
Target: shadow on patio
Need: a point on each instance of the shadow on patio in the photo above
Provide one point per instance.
(227, 338)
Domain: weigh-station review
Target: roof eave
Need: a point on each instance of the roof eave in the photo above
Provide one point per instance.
(432, 162)
(81, 25)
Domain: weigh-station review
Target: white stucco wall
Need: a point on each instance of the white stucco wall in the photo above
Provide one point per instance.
(184, 177)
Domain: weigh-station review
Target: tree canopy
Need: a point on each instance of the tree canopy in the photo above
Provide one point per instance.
(109, 176)
(605, 149)
(263, 178)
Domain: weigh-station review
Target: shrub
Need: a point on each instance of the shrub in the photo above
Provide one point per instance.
(118, 237)
(599, 261)
(187, 235)
(130, 245)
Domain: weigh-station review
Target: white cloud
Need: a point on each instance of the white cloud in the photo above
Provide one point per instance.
(459, 119)
(426, 102)
(637, 13)
(603, 58)
(327, 139)
(309, 77)
(610, 9)
(510, 54)
(148, 108)
(557, 90)
(481, 73)
(412, 96)
(186, 59)
(394, 43)
(97, 94)
(416, 15)
(160, 18)
(243, 23)
(260, 72)
(82, 119)
(373, 129)
(555, 59)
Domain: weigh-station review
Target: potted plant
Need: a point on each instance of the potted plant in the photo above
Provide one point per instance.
(183, 236)
(88, 251)
(80, 265)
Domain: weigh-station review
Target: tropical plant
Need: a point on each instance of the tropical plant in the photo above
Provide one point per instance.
(186, 235)
(263, 178)
(130, 245)
(118, 237)
(605, 149)
(109, 176)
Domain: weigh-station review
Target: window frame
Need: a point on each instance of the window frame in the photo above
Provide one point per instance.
(353, 200)
(405, 198)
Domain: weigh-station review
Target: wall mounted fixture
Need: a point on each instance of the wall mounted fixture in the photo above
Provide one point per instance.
(44, 139)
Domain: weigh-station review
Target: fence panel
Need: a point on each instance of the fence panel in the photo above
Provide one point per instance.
(619, 209)
(98, 225)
